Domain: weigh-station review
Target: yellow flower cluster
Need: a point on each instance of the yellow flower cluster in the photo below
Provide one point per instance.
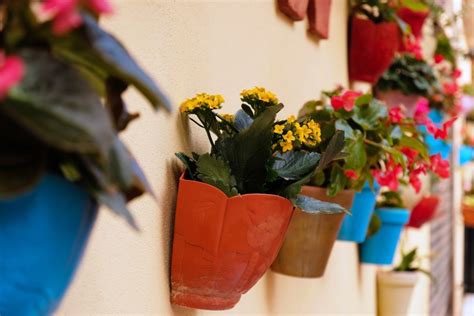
(259, 93)
(202, 100)
(293, 135)
(228, 117)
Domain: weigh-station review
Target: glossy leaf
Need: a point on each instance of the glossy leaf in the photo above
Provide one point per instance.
(293, 165)
(215, 172)
(314, 206)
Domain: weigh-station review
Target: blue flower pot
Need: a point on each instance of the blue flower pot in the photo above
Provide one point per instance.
(354, 228)
(380, 248)
(43, 234)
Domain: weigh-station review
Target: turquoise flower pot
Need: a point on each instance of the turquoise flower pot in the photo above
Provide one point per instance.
(43, 234)
(354, 227)
(380, 248)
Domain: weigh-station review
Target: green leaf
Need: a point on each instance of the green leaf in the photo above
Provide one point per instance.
(334, 148)
(314, 206)
(56, 104)
(374, 225)
(342, 125)
(293, 189)
(368, 117)
(364, 99)
(120, 165)
(292, 165)
(338, 181)
(215, 172)
(416, 144)
(357, 157)
(189, 163)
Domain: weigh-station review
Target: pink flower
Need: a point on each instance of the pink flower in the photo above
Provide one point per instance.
(396, 115)
(421, 111)
(450, 88)
(351, 174)
(11, 73)
(65, 13)
(346, 101)
(439, 166)
(413, 46)
(438, 58)
(457, 73)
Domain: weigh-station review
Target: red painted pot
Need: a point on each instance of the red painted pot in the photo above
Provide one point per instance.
(416, 19)
(372, 48)
(468, 214)
(319, 12)
(395, 98)
(222, 246)
(423, 212)
(294, 9)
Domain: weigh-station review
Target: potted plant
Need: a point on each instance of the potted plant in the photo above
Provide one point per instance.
(468, 209)
(374, 38)
(61, 81)
(423, 212)
(235, 203)
(395, 288)
(407, 79)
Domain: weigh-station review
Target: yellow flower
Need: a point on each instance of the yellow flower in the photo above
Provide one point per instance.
(316, 130)
(286, 146)
(202, 100)
(289, 136)
(303, 133)
(261, 94)
(278, 129)
(291, 119)
(228, 117)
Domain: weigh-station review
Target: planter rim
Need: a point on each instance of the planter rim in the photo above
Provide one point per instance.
(218, 191)
(364, 18)
(398, 278)
(393, 215)
(367, 186)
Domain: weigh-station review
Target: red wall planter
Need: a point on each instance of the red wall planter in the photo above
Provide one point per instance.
(423, 212)
(294, 9)
(416, 19)
(468, 214)
(319, 12)
(222, 246)
(372, 48)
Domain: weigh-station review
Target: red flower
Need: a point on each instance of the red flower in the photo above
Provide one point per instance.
(450, 88)
(410, 153)
(457, 73)
(415, 182)
(438, 58)
(65, 13)
(389, 177)
(11, 72)
(346, 101)
(441, 133)
(395, 115)
(413, 46)
(421, 111)
(440, 166)
(351, 174)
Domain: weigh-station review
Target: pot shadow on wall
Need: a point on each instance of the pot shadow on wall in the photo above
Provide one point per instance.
(167, 206)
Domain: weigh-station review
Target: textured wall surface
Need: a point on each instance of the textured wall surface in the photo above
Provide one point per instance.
(218, 46)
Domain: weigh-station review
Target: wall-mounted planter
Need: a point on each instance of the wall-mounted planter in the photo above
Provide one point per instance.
(294, 9)
(423, 212)
(395, 98)
(394, 292)
(319, 12)
(222, 246)
(310, 237)
(372, 48)
(43, 236)
(354, 228)
(468, 214)
(416, 19)
(380, 247)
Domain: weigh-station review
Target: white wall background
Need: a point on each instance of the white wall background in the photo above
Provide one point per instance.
(219, 46)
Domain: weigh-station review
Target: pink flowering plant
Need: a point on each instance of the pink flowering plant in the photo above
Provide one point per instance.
(382, 145)
(61, 83)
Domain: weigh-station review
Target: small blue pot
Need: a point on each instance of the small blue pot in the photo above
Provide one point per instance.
(380, 248)
(354, 227)
(43, 234)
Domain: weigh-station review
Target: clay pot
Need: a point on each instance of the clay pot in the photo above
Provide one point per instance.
(416, 19)
(468, 214)
(319, 12)
(222, 246)
(394, 292)
(310, 237)
(423, 212)
(294, 9)
(395, 98)
(372, 48)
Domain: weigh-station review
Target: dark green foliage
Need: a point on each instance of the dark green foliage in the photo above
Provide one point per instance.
(411, 263)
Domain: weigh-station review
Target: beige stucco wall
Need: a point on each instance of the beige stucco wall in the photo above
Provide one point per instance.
(219, 47)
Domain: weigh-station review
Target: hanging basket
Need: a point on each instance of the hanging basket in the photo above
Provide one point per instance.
(380, 247)
(423, 212)
(310, 237)
(372, 48)
(43, 236)
(395, 98)
(354, 227)
(222, 246)
(394, 292)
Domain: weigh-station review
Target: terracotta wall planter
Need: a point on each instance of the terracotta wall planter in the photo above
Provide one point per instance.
(394, 292)
(468, 214)
(310, 237)
(294, 9)
(222, 246)
(319, 12)
(423, 212)
(395, 98)
(372, 48)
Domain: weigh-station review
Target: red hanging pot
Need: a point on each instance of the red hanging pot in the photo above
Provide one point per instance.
(222, 246)
(294, 9)
(416, 19)
(372, 48)
(319, 12)
(423, 212)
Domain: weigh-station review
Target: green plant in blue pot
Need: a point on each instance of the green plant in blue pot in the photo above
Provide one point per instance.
(61, 110)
